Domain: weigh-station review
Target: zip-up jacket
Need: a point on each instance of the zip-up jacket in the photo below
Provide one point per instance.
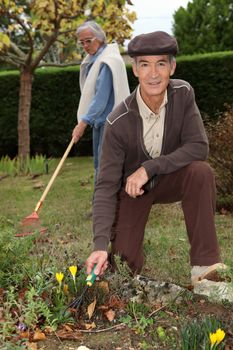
(123, 150)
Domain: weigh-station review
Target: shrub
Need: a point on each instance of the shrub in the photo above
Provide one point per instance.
(221, 158)
(56, 93)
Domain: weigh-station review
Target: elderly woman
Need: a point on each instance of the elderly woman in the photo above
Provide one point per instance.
(103, 84)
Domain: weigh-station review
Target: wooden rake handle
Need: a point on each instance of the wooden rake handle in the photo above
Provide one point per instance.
(58, 168)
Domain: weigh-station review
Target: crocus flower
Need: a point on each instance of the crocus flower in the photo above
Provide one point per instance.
(217, 337)
(73, 271)
(220, 334)
(59, 277)
(213, 339)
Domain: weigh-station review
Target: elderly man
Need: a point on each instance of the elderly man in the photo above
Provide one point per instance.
(154, 151)
(103, 84)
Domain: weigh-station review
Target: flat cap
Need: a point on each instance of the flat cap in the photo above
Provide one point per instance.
(155, 43)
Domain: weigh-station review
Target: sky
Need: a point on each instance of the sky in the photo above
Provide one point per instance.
(155, 15)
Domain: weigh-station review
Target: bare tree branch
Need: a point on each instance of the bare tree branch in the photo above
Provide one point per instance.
(17, 50)
(20, 22)
(9, 60)
(45, 49)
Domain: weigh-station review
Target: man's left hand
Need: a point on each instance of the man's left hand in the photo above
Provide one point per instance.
(135, 182)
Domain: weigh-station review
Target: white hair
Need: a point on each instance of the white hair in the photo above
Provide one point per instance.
(95, 29)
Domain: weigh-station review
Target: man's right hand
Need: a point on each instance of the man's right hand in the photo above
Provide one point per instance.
(100, 258)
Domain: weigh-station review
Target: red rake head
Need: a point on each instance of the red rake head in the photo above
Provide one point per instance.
(29, 233)
(31, 219)
(30, 225)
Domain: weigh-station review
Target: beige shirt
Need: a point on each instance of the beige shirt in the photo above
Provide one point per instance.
(153, 125)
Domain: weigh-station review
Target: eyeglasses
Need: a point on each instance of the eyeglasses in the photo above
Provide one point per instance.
(86, 41)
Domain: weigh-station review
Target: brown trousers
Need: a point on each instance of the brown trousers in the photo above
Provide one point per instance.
(194, 186)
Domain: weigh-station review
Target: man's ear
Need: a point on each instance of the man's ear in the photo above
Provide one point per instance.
(173, 68)
(135, 71)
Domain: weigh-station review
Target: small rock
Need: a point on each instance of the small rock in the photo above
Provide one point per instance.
(155, 291)
(217, 291)
(82, 347)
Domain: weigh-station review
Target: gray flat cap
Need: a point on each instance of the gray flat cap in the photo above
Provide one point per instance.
(155, 43)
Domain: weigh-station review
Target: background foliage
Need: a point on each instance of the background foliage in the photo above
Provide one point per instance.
(55, 98)
(204, 26)
(42, 32)
(221, 157)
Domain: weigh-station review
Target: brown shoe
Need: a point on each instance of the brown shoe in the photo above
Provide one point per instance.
(211, 273)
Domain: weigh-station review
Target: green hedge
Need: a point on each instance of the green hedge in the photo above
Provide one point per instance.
(55, 98)
(211, 75)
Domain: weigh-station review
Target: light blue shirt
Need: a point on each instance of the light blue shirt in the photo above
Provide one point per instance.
(103, 100)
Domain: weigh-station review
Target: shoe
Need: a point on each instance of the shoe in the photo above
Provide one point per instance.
(211, 273)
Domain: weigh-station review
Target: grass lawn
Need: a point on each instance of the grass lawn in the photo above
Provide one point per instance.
(68, 241)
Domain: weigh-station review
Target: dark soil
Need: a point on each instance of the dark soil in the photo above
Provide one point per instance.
(117, 335)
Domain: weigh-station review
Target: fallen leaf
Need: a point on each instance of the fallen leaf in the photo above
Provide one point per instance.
(68, 328)
(110, 314)
(24, 335)
(116, 302)
(104, 286)
(38, 335)
(31, 346)
(48, 330)
(103, 307)
(90, 325)
(69, 335)
(91, 309)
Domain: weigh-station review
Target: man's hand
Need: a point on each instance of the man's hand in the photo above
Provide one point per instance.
(79, 131)
(135, 182)
(100, 258)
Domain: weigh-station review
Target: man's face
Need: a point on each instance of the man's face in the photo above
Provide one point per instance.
(89, 42)
(153, 73)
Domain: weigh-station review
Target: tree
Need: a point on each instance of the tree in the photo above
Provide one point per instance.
(204, 26)
(42, 32)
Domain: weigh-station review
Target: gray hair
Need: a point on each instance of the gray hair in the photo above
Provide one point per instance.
(95, 28)
(171, 59)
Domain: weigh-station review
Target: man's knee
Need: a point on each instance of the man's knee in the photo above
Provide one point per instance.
(201, 172)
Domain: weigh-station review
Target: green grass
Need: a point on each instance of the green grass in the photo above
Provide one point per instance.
(64, 214)
(69, 242)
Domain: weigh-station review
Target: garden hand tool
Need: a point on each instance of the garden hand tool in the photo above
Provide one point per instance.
(89, 283)
(33, 219)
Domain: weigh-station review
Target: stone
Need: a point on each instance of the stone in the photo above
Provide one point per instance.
(215, 291)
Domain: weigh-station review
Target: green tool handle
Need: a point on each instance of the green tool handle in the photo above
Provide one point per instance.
(91, 277)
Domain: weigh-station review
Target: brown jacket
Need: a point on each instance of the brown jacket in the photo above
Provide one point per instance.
(123, 150)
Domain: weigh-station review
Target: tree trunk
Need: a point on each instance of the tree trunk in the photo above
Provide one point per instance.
(25, 95)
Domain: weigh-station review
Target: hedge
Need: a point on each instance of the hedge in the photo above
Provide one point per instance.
(55, 97)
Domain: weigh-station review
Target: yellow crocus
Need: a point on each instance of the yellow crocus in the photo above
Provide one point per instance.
(217, 337)
(220, 335)
(73, 271)
(59, 277)
(213, 339)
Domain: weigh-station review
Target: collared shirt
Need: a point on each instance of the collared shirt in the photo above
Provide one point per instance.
(153, 125)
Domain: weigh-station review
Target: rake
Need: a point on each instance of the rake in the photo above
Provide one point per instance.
(76, 303)
(32, 222)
